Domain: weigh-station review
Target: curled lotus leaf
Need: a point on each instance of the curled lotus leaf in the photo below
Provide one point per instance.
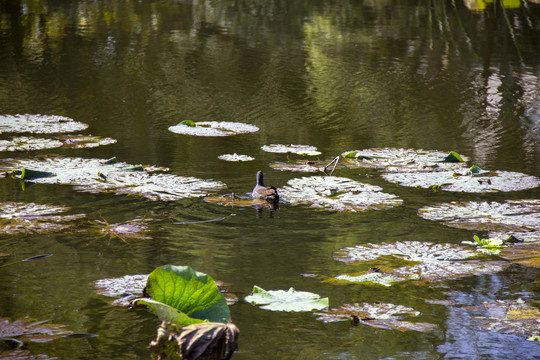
(290, 300)
(39, 124)
(85, 141)
(27, 143)
(402, 160)
(21, 217)
(295, 149)
(235, 157)
(512, 215)
(31, 330)
(97, 175)
(337, 194)
(213, 128)
(381, 315)
(461, 180)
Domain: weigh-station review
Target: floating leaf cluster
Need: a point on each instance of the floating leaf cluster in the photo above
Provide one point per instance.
(20, 217)
(382, 315)
(337, 194)
(295, 149)
(97, 175)
(39, 124)
(212, 128)
(290, 300)
(235, 157)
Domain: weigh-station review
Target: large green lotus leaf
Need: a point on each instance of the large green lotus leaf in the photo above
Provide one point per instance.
(512, 215)
(39, 124)
(28, 329)
(98, 175)
(290, 300)
(191, 292)
(381, 315)
(26, 143)
(337, 194)
(295, 149)
(403, 160)
(235, 157)
(20, 217)
(461, 180)
(84, 141)
(213, 128)
(166, 312)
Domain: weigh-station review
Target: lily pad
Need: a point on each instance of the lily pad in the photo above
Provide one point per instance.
(510, 317)
(31, 330)
(404, 160)
(295, 149)
(213, 128)
(184, 296)
(234, 200)
(512, 215)
(131, 229)
(25, 143)
(290, 300)
(369, 278)
(337, 194)
(85, 141)
(460, 180)
(97, 175)
(527, 254)
(381, 315)
(305, 166)
(235, 157)
(20, 217)
(39, 124)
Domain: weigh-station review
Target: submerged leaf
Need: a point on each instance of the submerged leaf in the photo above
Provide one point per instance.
(525, 254)
(39, 124)
(290, 300)
(337, 194)
(193, 294)
(20, 217)
(382, 315)
(213, 128)
(31, 330)
(512, 215)
(295, 149)
(235, 157)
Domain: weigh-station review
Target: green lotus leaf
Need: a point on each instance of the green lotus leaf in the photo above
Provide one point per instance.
(212, 128)
(460, 180)
(98, 175)
(295, 149)
(290, 300)
(404, 160)
(20, 217)
(522, 216)
(337, 194)
(39, 124)
(381, 315)
(235, 157)
(184, 296)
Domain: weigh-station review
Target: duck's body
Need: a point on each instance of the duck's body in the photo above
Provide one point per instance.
(260, 191)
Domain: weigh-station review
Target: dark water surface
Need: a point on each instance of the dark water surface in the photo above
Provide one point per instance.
(338, 75)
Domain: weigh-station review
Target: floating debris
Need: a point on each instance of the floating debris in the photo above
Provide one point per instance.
(235, 157)
(212, 128)
(290, 300)
(39, 124)
(295, 149)
(337, 194)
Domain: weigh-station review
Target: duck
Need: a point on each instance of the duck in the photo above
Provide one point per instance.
(260, 191)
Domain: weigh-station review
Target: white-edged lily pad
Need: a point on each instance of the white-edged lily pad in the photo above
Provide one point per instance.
(39, 124)
(235, 157)
(31, 330)
(305, 166)
(337, 194)
(381, 315)
(461, 180)
(85, 141)
(97, 175)
(21, 217)
(512, 215)
(430, 261)
(213, 128)
(295, 149)
(370, 278)
(290, 300)
(27, 143)
(404, 160)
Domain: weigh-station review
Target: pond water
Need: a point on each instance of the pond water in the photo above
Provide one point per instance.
(337, 75)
